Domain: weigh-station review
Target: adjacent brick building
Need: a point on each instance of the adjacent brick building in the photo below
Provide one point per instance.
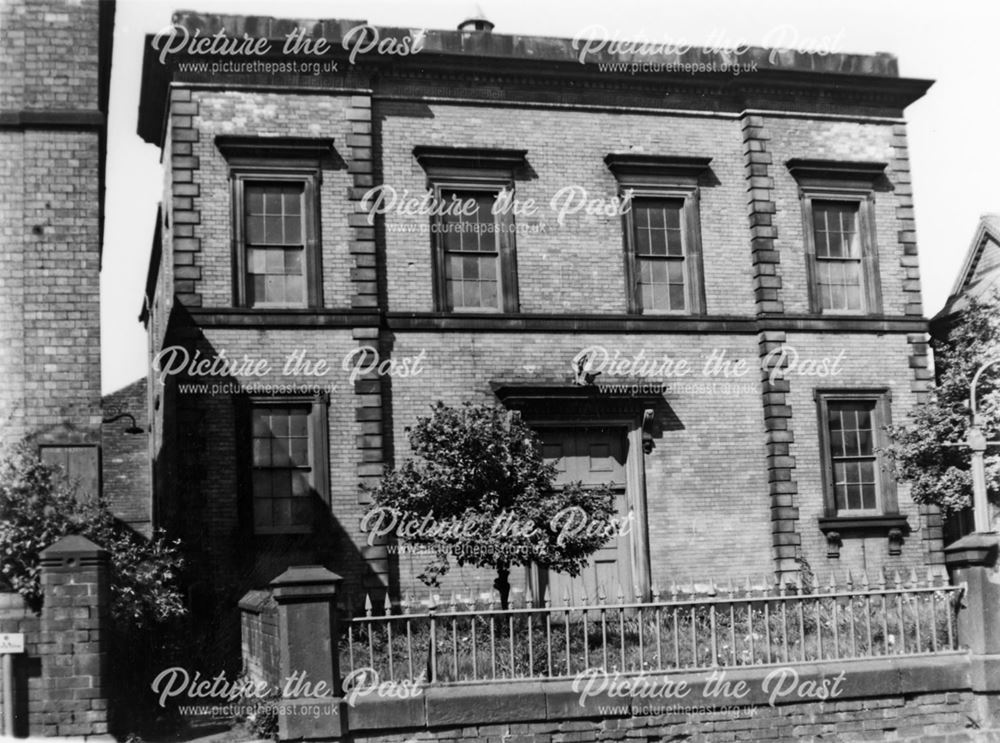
(125, 456)
(55, 66)
(769, 210)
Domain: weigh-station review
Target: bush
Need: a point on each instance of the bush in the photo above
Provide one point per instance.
(38, 507)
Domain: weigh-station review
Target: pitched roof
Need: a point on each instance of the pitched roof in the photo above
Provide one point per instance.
(980, 272)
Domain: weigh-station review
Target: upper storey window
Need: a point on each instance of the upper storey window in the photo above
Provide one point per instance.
(838, 201)
(473, 233)
(662, 227)
(276, 220)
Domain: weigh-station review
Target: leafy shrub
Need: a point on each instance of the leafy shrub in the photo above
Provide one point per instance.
(480, 467)
(38, 507)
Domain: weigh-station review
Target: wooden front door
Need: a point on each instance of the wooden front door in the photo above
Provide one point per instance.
(593, 456)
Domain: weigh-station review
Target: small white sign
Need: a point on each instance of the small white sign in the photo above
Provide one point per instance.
(11, 642)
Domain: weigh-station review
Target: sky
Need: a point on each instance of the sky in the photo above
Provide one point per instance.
(952, 130)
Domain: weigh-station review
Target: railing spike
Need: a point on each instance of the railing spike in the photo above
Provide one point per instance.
(565, 596)
(454, 602)
(431, 600)
(637, 595)
(881, 578)
(621, 595)
(914, 581)
(850, 580)
(930, 577)
(731, 589)
(897, 580)
(602, 594)
(529, 599)
(368, 604)
(656, 594)
(749, 586)
(865, 584)
(546, 599)
(781, 587)
(387, 604)
(673, 590)
(404, 603)
(832, 588)
(815, 583)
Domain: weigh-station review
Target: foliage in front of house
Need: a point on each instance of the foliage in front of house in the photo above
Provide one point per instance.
(480, 477)
(38, 507)
(938, 473)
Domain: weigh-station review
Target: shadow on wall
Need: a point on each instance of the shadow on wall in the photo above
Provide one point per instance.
(243, 481)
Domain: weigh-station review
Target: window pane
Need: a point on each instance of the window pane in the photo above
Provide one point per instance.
(255, 230)
(299, 452)
(262, 512)
(657, 242)
(852, 451)
(272, 200)
(835, 229)
(255, 199)
(261, 452)
(300, 485)
(273, 231)
(642, 245)
(676, 297)
(293, 230)
(489, 289)
(646, 296)
(283, 512)
(295, 289)
(293, 262)
(675, 243)
(470, 267)
(301, 511)
(656, 224)
(470, 292)
(293, 200)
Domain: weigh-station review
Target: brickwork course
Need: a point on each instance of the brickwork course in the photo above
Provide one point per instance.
(733, 483)
(54, 71)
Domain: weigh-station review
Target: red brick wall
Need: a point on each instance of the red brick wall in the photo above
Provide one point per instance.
(125, 469)
(732, 478)
(578, 267)
(49, 222)
(916, 717)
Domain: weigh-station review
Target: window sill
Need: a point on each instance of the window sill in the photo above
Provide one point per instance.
(894, 526)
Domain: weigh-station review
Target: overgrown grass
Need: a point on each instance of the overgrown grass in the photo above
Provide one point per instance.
(539, 643)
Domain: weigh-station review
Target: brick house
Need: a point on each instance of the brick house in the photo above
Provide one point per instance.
(979, 278)
(769, 210)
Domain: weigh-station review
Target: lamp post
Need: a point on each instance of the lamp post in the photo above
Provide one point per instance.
(975, 439)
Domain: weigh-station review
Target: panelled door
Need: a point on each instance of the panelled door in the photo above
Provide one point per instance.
(593, 456)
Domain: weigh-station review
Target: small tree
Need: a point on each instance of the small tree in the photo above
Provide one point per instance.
(483, 495)
(38, 506)
(939, 474)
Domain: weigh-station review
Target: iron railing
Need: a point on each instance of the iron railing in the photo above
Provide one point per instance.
(466, 642)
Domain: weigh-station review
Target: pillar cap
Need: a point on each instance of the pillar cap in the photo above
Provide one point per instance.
(306, 575)
(979, 548)
(303, 581)
(72, 550)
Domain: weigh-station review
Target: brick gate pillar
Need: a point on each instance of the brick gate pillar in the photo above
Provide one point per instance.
(74, 640)
(309, 668)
